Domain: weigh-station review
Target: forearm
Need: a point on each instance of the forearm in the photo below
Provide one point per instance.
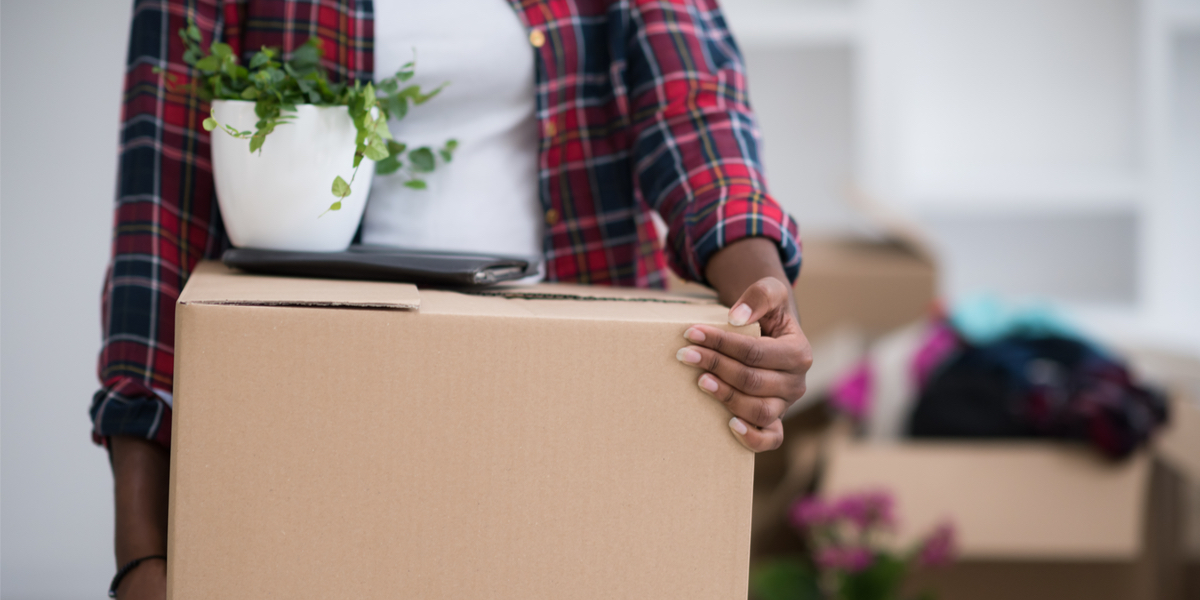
(737, 266)
(141, 474)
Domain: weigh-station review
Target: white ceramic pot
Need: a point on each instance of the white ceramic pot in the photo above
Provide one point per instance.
(277, 199)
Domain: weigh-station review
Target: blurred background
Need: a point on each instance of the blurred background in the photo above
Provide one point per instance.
(1038, 149)
(1047, 148)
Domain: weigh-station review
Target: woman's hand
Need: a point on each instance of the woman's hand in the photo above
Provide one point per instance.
(757, 379)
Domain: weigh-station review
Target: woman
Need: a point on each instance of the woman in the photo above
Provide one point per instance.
(575, 119)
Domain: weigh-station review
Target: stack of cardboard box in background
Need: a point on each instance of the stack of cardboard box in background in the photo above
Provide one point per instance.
(1035, 519)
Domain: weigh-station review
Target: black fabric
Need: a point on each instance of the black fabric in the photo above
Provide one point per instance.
(379, 263)
(1030, 387)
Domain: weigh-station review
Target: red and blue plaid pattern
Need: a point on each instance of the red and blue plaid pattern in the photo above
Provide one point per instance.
(642, 107)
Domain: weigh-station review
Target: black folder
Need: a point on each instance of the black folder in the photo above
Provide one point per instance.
(382, 263)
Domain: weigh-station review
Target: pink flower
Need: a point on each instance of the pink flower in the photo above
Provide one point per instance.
(939, 548)
(849, 559)
(810, 512)
(867, 510)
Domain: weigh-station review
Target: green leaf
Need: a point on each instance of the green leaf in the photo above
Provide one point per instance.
(221, 50)
(306, 56)
(376, 150)
(388, 166)
(191, 55)
(447, 152)
(336, 205)
(423, 98)
(193, 32)
(422, 160)
(410, 92)
(259, 59)
(208, 63)
(882, 579)
(395, 147)
(256, 142)
(209, 124)
(249, 93)
(380, 128)
(397, 106)
(784, 579)
(341, 189)
(406, 72)
(416, 184)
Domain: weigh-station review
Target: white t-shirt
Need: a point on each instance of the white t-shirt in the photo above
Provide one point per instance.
(486, 199)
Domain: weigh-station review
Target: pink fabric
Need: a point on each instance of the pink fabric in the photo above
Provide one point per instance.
(852, 393)
(939, 343)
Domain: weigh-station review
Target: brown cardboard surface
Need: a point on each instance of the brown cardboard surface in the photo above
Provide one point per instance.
(871, 286)
(213, 283)
(481, 447)
(1021, 501)
(1154, 573)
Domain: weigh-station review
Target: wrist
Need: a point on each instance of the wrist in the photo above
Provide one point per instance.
(141, 473)
(137, 571)
(734, 268)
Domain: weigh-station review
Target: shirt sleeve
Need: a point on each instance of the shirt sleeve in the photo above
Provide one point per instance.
(165, 218)
(696, 142)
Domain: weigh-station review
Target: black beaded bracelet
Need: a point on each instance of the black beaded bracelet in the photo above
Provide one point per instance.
(129, 566)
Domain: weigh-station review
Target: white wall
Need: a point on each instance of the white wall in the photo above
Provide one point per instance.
(62, 63)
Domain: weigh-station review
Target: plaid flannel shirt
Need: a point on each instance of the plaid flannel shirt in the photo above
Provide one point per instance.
(641, 104)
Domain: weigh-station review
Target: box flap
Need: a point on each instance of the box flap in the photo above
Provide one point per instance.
(1007, 500)
(214, 283)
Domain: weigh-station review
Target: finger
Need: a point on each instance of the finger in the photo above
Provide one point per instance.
(758, 439)
(760, 298)
(751, 409)
(763, 383)
(780, 354)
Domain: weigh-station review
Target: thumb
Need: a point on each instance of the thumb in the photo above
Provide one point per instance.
(762, 297)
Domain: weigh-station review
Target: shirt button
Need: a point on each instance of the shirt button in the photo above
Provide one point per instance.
(551, 130)
(537, 38)
(551, 217)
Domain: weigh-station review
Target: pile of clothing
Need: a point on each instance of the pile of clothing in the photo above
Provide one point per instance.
(986, 370)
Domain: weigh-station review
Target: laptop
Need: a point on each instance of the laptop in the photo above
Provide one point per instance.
(385, 263)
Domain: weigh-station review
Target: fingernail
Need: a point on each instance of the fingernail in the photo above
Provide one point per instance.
(737, 426)
(740, 315)
(687, 355)
(694, 335)
(708, 384)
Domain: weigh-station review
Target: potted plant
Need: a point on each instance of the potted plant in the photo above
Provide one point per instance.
(294, 137)
(851, 556)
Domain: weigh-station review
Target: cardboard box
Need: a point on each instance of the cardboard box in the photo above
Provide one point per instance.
(372, 440)
(1035, 520)
(871, 286)
(1179, 446)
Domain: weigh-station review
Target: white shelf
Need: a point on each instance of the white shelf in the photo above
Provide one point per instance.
(774, 23)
